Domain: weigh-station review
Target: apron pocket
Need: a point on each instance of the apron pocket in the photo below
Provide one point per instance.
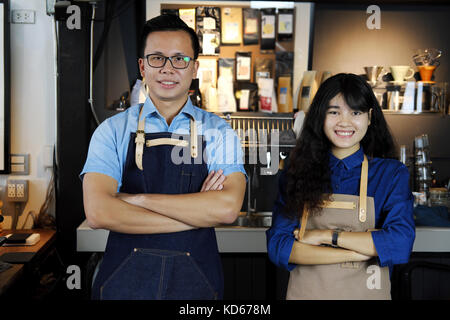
(149, 274)
(137, 277)
(185, 181)
(192, 179)
(186, 280)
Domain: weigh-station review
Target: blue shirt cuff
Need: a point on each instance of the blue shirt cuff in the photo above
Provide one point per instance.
(102, 171)
(229, 169)
(285, 255)
(279, 248)
(383, 251)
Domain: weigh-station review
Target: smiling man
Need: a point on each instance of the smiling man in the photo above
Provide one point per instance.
(161, 212)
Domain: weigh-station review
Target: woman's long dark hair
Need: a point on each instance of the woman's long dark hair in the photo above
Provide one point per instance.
(309, 176)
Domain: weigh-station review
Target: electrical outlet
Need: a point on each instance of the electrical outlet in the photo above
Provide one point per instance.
(20, 190)
(17, 190)
(11, 190)
(23, 16)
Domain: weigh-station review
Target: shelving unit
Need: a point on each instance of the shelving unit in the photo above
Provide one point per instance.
(419, 97)
(300, 43)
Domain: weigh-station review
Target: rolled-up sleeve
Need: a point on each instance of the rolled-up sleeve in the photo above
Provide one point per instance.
(224, 150)
(280, 237)
(394, 241)
(103, 154)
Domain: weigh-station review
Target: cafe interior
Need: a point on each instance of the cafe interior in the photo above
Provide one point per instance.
(69, 65)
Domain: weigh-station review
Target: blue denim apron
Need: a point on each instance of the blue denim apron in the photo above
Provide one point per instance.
(181, 265)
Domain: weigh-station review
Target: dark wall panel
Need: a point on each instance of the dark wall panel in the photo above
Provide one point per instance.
(74, 127)
(116, 70)
(405, 127)
(343, 43)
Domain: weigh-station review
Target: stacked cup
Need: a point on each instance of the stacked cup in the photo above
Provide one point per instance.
(399, 73)
(422, 164)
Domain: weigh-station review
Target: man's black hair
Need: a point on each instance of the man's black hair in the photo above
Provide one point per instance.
(167, 22)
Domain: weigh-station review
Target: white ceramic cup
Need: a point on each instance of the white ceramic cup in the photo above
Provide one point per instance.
(399, 73)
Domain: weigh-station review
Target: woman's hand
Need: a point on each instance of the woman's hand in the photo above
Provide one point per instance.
(314, 237)
(214, 181)
(356, 256)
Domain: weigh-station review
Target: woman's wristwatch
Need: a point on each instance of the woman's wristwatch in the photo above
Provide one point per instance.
(334, 238)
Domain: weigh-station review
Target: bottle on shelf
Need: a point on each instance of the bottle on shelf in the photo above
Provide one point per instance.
(194, 93)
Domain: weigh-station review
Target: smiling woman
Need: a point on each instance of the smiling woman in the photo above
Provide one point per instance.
(353, 205)
(345, 127)
(341, 107)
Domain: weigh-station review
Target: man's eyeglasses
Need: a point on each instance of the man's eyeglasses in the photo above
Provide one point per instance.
(159, 61)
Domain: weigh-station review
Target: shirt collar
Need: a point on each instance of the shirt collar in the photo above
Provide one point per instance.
(350, 162)
(150, 109)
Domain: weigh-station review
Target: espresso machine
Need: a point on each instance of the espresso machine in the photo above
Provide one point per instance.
(266, 139)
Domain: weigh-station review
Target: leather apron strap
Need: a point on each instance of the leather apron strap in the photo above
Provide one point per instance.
(140, 141)
(166, 141)
(194, 147)
(363, 190)
(343, 204)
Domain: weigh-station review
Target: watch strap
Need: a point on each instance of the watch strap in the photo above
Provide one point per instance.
(334, 238)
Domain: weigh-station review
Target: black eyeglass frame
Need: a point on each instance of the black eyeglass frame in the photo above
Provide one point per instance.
(168, 58)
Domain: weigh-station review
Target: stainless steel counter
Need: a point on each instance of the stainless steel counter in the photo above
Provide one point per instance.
(242, 239)
(229, 239)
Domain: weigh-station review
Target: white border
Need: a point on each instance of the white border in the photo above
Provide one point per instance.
(2, 88)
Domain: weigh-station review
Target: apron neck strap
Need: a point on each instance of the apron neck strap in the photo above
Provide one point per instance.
(363, 190)
(141, 123)
(303, 223)
(140, 139)
(193, 139)
(362, 214)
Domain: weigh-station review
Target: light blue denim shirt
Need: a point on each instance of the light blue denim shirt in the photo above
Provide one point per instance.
(109, 143)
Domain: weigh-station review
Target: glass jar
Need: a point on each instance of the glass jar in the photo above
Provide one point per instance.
(439, 197)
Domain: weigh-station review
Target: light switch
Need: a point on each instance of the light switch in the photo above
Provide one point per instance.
(20, 164)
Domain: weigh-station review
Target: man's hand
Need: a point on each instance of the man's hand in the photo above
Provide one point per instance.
(106, 209)
(214, 181)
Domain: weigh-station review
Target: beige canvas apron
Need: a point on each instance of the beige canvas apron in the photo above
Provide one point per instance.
(364, 280)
